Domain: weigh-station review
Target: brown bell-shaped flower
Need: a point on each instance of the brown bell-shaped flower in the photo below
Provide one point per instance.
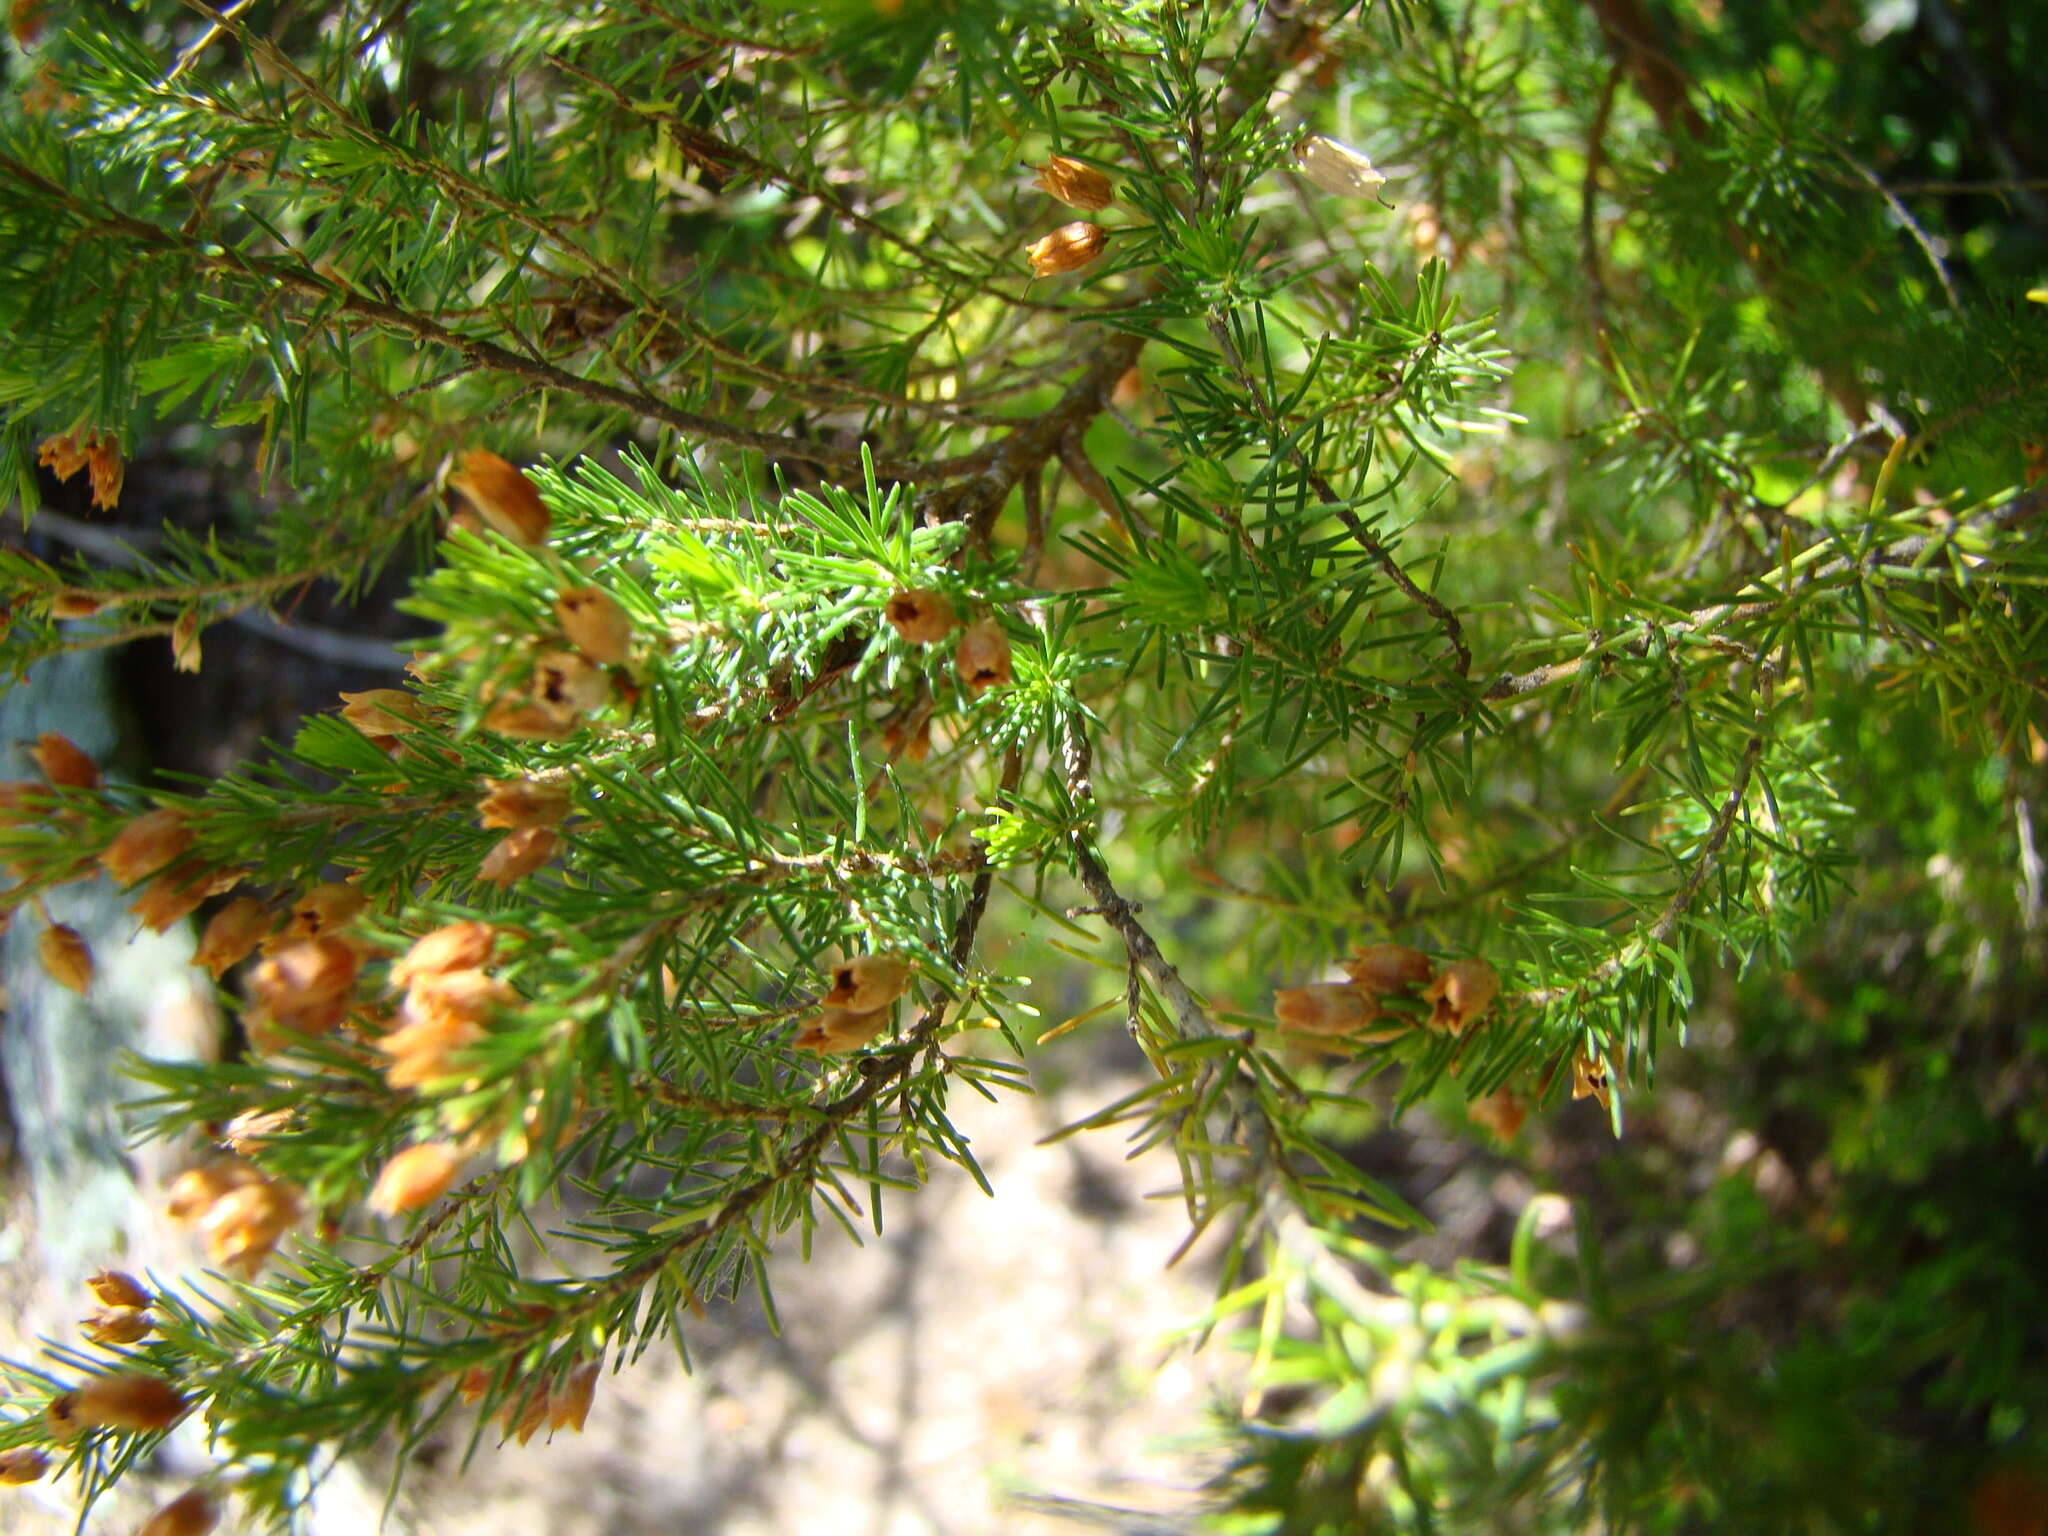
(243, 1226)
(127, 1400)
(1388, 968)
(459, 946)
(868, 982)
(1067, 249)
(1458, 997)
(835, 1031)
(517, 855)
(305, 988)
(63, 764)
(1324, 1008)
(194, 1512)
(983, 657)
(1501, 1112)
(65, 957)
(232, 934)
(117, 1288)
(595, 624)
(145, 845)
(521, 803)
(117, 1325)
(22, 1464)
(921, 616)
(1591, 1080)
(502, 496)
(1076, 184)
(416, 1177)
(382, 711)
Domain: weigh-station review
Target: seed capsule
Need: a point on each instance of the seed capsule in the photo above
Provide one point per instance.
(1075, 184)
(595, 624)
(502, 496)
(416, 1177)
(65, 957)
(1067, 249)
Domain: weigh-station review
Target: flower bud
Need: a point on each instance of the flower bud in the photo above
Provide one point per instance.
(63, 764)
(921, 616)
(145, 845)
(117, 1288)
(459, 946)
(416, 1177)
(1336, 168)
(381, 711)
(836, 1031)
(1388, 968)
(1075, 184)
(192, 1513)
(1457, 998)
(1067, 249)
(867, 982)
(502, 496)
(521, 803)
(232, 933)
(517, 855)
(595, 624)
(127, 1400)
(983, 657)
(23, 1464)
(65, 957)
(1324, 1008)
(117, 1325)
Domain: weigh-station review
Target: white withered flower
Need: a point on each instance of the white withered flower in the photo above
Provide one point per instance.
(1337, 168)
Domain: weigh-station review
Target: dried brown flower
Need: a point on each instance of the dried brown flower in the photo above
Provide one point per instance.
(518, 854)
(1458, 997)
(1075, 184)
(382, 711)
(1337, 168)
(921, 616)
(568, 687)
(305, 988)
(1067, 249)
(117, 1288)
(243, 1226)
(194, 1192)
(1501, 1112)
(416, 1177)
(63, 764)
(65, 957)
(185, 642)
(867, 982)
(523, 720)
(983, 657)
(22, 1464)
(521, 803)
(75, 604)
(145, 845)
(836, 1030)
(127, 1400)
(595, 624)
(117, 1325)
(325, 909)
(194, 1512)
(97, 453)
(1324, 1008)
(502, 496)
(232, 933)
(459, 946)
(253, 1127)
(1590, 1080)
(569, 1404)
(177, 892)
(1388, 968)
(1129, 388)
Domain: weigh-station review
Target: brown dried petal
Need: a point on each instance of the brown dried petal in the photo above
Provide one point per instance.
(232, 933)
(836, 1031)
(868, 982)
(569, 1404)
(1590, 1079)
(244, 1225)
(176, 893)
(145, 845)
(416, 1177)
(185, 643)
(1457, 998)
(127, 1400)
(519, 803)
(117, 1325)
(983, 657)
(595, 624)
(65, 957)
(117, 1288)
(325, 908)
(22, 1464)
(568, 687)
(195, 1192)
(502, 496)
(382, 711)
(518, 854)
(459, 946)
(523, 720)
(1388, 967)
(1324, 1008)
(1501, 1112)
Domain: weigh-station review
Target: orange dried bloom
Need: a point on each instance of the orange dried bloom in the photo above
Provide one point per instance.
(983, 657)
(145, 845)
(517, 855)
(921, 616)
(452, 997)
(22, 1465)
(1388, 968)
(185, 643)
(65, 957)
(569, 1404)
(1590, 1080)
(523, 1416)
(1457, 998)
(1075, 184)
(567, 687)
(25, 23)
(1067, 249)
(836, 1031)
(1129, 388)
(460, 946)
(381, 711)
(868, 982)
(1324, 1008)
(127, 1400)
(117, 1288)
(97, 453)
(416, 1177)
(194, 1192)
(243, 1226)
(521, 803)
(61, 1416)
(502, 496)
(75, 605)
(476, 1381)
(304, 988)
(253, 1127)
(178, 891)
(329, 906)
(1501, 1112)
(192, 1513)
(523, 720)
(63, 764)
(231, 933)
(595, 624)
(117, 1325)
